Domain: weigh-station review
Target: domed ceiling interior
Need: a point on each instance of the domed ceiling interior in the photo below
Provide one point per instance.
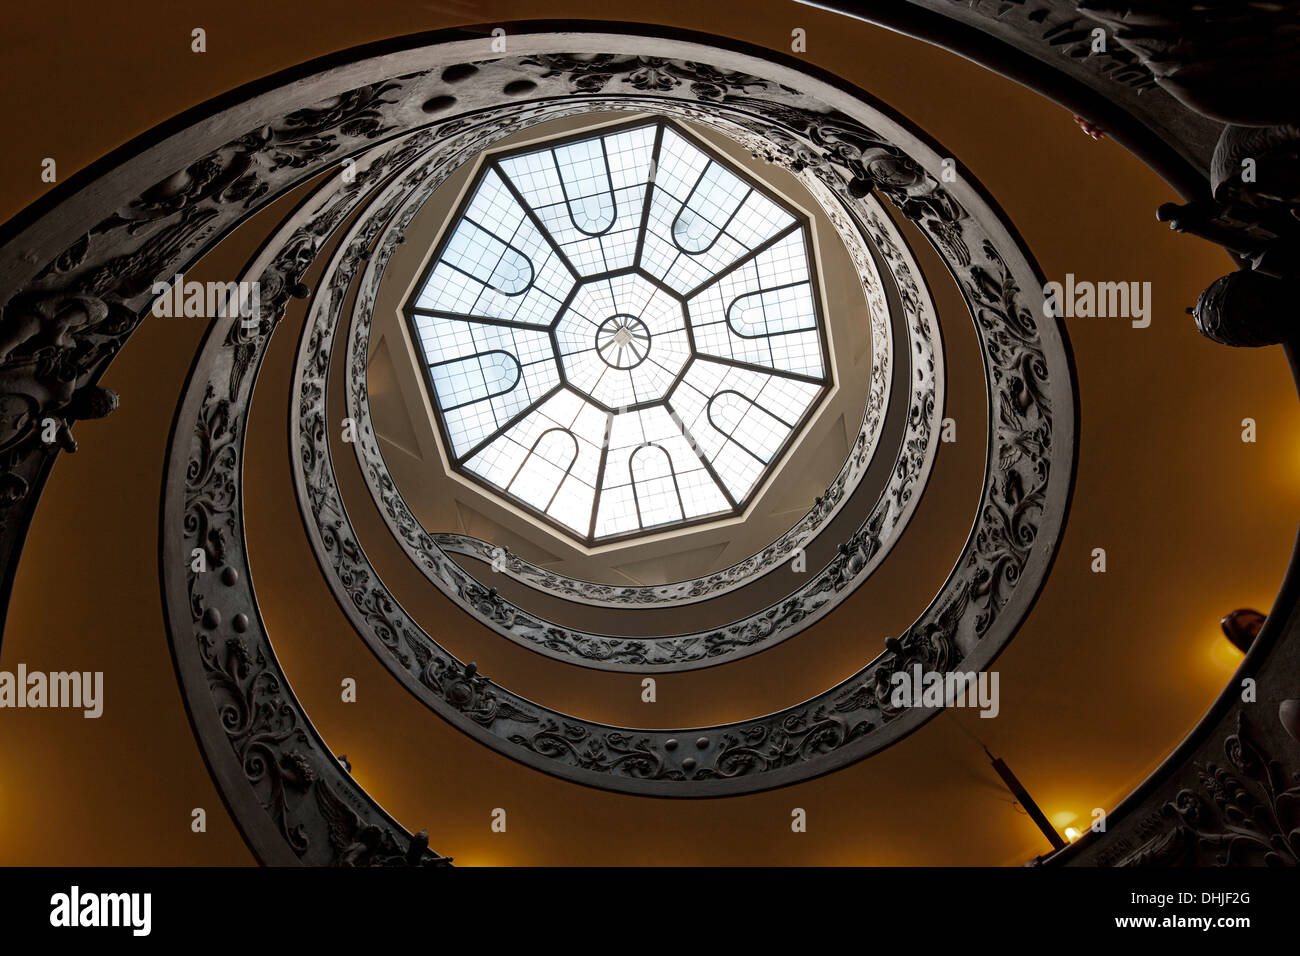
(621, 348)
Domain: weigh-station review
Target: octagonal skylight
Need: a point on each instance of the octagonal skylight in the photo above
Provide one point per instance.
(622, 331)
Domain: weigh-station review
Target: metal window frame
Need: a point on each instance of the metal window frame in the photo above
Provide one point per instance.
(801, 222)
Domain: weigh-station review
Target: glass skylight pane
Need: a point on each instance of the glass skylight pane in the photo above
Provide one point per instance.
(763, 313)
(588, 196)
(625, 282)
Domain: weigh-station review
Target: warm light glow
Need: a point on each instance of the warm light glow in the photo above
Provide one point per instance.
(1224, 655)
(1072, 834)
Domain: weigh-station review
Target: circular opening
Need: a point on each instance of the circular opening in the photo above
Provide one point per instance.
(623, 341)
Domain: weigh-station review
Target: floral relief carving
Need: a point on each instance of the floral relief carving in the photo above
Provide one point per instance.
(749, 755)
(318, 812)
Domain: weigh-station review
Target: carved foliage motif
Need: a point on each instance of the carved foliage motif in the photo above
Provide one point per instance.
(102, 282)
(747, 635)
(285, 762)
(826, 506)
(827, 730)
(1231, 61)
(48, 342)
(315, 807)
(1239, 811)
(1244, 812)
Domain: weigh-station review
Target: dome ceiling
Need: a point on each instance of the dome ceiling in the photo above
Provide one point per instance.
(364, 166)
(622, 331)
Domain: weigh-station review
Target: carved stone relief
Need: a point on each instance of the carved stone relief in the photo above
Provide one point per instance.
(292, 798)
(1007, 552)
(775, 622)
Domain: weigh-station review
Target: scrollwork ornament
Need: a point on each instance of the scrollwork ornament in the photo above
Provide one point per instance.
(143, 224)
(992, 586)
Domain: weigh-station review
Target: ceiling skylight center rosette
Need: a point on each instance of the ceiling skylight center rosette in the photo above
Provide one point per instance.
(622, 331)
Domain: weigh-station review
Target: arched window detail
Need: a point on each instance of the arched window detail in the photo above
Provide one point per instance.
(748, 314)
(475, 377)
(479, 254)
(655, 489)
(754, 430)
(588, 187)
(712, 203)
(539, 476)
